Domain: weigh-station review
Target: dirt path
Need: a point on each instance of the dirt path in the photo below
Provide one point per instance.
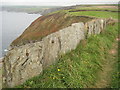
(113, 7)
(104, 78)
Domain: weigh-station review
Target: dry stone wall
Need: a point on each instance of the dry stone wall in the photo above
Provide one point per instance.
(27, 61)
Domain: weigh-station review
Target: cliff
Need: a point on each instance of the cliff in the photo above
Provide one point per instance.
(43, 42)
(46, 25)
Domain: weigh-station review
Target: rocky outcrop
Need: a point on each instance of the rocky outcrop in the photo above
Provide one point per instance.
(27, 61)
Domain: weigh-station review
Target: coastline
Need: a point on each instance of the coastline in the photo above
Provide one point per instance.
(20, 27)
(20, 11)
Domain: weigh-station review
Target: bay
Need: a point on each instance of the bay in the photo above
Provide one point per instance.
(12, 25)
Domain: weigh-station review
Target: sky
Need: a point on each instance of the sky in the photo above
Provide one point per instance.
(53, 2)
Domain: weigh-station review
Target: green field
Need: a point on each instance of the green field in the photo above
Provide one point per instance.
(79, 68)
(98, 14)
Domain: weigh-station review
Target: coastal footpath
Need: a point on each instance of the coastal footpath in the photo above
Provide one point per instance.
(29, 60)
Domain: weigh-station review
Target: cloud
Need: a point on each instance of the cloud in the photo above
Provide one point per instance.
(52, 2)
(59, 1)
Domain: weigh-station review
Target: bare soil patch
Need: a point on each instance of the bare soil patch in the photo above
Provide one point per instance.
(114, 7)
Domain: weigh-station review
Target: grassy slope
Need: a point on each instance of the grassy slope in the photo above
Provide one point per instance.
(116, 73)
(46, 25)
(96, 13)
(79, 67)
(55, 21)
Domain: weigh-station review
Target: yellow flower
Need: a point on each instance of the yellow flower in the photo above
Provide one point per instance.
(58, 69)
(53, 78)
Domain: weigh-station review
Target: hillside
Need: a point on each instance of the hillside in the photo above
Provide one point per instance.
(81, 7)
(55, 21)
(46, 25)
(78, 45)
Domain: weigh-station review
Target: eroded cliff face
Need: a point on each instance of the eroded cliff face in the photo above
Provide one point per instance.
(27, 61)
(46, 25)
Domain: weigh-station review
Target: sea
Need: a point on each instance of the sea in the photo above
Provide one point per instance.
(12, 25)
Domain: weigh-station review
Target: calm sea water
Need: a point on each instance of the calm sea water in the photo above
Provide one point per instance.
(12, 24)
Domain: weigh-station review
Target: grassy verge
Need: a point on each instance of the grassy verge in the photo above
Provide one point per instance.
(98, 14)
(116, 74)
(79, 67)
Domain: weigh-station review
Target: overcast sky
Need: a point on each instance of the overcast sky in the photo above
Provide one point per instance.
(53, 2)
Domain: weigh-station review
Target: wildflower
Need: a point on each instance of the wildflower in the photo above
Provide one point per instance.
(31, 82)
(63, 77)
(58, 69)
(53, 77)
